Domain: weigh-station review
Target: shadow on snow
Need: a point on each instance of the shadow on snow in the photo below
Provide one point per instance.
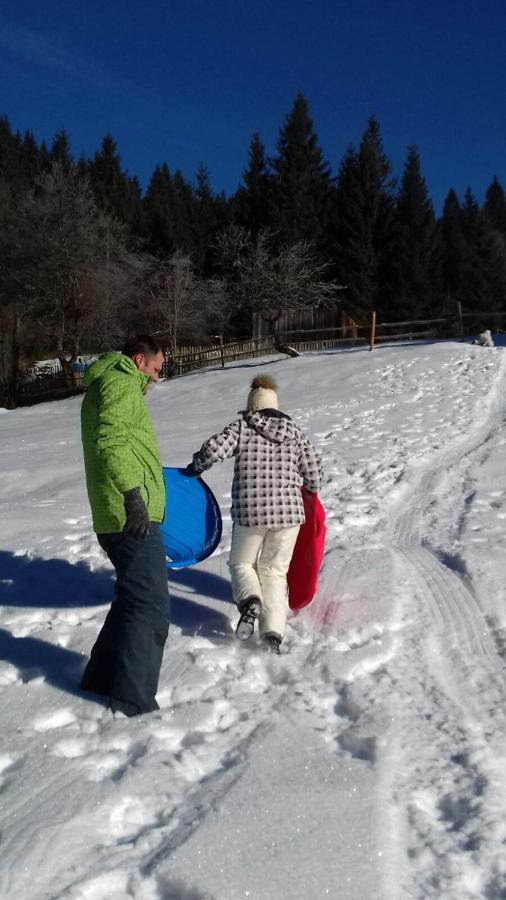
(51, 583)
(57, 584)
(190, 615)
(34, 658)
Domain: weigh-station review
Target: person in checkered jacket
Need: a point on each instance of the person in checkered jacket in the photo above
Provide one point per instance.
(273, 459)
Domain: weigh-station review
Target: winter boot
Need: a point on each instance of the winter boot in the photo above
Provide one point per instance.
(249, 610)
(272, 642)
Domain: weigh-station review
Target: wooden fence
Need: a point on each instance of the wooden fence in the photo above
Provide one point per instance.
(47, 383)
(352, 334)
(50, 382)
(187, 359)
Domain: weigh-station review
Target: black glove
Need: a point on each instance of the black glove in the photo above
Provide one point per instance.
(309, 497)
(137, 523)
(190, 471)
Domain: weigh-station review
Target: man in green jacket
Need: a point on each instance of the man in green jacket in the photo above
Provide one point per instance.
(127, 496)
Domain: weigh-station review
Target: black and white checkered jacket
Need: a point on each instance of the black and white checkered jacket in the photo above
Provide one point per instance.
(273, 459)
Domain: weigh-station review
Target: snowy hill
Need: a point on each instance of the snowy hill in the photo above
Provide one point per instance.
(367, 761)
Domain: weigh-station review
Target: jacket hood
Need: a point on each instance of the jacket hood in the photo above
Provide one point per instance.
(118, 362)
(273, 425)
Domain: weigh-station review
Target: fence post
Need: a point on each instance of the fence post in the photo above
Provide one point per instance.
(461, 320)
(169, 364)
(222, 350)
(373, 329)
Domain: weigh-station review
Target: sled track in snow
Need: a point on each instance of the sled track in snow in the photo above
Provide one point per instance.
(449, 766)
(439, 677)
(446, 589)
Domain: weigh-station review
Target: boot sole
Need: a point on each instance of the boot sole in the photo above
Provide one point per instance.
(246, 624)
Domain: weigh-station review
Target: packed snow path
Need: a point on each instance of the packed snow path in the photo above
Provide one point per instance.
(369, 759)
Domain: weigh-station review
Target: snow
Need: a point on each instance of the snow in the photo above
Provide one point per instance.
(368, 760)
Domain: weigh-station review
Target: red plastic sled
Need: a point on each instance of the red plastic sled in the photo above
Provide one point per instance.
(308, 554)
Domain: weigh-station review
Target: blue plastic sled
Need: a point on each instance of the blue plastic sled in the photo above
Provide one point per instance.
(192, 527)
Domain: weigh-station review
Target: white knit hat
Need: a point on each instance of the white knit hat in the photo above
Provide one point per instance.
(262, 393)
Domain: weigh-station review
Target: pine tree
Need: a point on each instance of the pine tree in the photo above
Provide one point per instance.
(363, 225)
(474, 257)
(203, 221)
(345, 231)
(158, 207)
(493, 258)
(474, 288)
(19, 158)
(60, 151)
(495, 206)
(44, 161)
(115, 193)
(415, 247)
(31, 158)
(453, 250)
(251, 204)
(7, 149)
(209, 217)
(493, 245)
(184, 212)
(136, 218)
(301, 180)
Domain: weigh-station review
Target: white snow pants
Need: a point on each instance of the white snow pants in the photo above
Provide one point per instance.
(259, 560)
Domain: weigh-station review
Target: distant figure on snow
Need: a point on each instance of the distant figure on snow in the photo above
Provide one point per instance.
(273, 459)
(79, 367)
(485, 339)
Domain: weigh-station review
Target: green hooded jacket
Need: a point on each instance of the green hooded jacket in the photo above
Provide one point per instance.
(119, 442)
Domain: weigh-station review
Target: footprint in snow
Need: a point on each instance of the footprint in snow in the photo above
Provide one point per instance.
(9, 674)
(9, 764)
(129, 818)
(103, 760)
(57, 719)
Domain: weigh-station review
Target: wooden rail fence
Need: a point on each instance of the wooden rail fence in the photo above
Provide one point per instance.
(50, 382)
(188, 359)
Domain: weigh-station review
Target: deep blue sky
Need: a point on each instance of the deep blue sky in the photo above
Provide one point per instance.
(189, 81)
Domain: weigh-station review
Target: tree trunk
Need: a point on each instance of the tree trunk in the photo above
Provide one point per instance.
(278, 343)
(12, 363)
(69, 375)
(67, 365)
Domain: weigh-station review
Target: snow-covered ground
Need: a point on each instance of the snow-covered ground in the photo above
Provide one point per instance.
(369, 760)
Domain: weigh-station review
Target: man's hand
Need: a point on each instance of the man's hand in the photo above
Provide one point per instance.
(190, 471)
(137, 523)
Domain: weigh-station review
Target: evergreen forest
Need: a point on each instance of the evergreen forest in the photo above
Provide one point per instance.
(87, 256)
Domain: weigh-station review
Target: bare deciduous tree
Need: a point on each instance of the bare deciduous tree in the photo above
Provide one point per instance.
(270, 282)
(73, 235)
(84, 267)
(173, 295)
(217, 306)
(66, 274)
(18, 263)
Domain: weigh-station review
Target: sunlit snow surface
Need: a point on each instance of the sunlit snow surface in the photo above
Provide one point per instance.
(369, 759)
